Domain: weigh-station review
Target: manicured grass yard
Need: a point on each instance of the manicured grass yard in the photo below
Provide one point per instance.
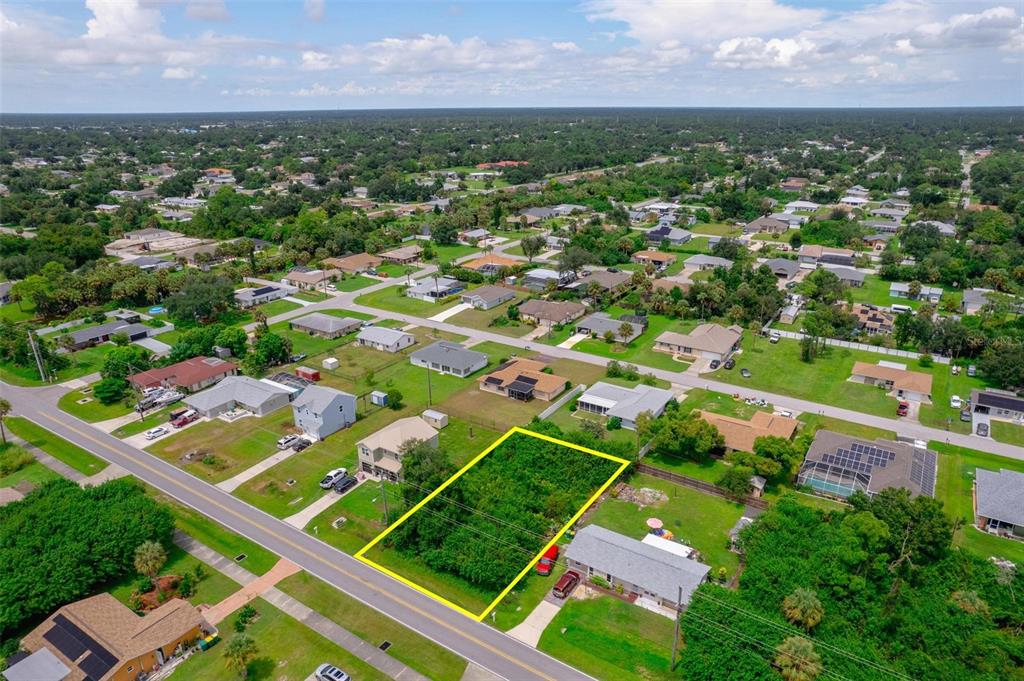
(363, 511)
(213, 588)
(353, 283)
(481, 319)
(954, 488)
(521, 601)
(390, 269)
(1004, 431)
(59, 448)
(287, 650)
(91, 411)
(610, 639)
(152, 420)
(814, 422)
(716, 229)
(641, 350)
(235, 446)
(276, 307)
(83, 362)
(407, 646)
(311, 296)
(393, 298)
(448, 252)
(939, 414)
(16, 314)
(698, 520)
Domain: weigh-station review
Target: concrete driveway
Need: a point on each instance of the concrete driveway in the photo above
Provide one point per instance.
(573, 340)
(529, 630)
(441, 316)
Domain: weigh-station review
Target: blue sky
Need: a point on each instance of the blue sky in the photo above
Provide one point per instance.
(223, 55)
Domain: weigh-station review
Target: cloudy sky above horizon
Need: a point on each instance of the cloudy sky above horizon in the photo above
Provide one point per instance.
(246, 55)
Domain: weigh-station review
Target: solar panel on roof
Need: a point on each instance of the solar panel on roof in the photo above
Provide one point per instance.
(64, 642)
(526, 379)
(94, 666)
(85, 639)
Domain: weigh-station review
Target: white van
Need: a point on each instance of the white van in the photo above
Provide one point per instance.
(900, 309)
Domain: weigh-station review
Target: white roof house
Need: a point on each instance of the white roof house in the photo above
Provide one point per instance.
(258, 397)
(793, 206)
(624, 403)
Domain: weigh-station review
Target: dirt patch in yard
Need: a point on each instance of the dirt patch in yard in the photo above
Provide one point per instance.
(642, 496)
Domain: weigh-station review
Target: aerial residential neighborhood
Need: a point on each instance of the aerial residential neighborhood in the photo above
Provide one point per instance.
(601, 340)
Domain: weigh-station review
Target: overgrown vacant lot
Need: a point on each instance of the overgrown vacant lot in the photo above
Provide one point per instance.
(473, 538)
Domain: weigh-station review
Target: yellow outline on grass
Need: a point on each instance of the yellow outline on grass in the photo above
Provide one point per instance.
(360, 555)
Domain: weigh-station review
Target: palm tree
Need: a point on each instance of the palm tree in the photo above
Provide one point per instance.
(797, 660)
(260, 318)
(239, 652)
(149, 558)
(5, 409)
(802, 607)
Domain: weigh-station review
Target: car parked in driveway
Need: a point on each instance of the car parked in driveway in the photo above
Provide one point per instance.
(902, 409)
(565, 585)
(303, 443)
(715, 364)
(332, 477)
(345, 484)
(183, 420)
(965, 415)
(154, 433)
(982, 429)
(955, 402)
(547, 562)
(328, 672)
(287, 441)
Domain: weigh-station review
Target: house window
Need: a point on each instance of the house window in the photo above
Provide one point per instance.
(130, 669)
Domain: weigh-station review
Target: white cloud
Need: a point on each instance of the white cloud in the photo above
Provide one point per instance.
(264, 62)
(247, 92)
(178, 73)
(207, 10)
(314, 9)
(315, 61)
(757, 53)
(567, 46)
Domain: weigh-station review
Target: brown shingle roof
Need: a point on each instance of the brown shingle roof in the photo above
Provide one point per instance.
(353, 263)
(552, 311)
(530, 368)
(902, 379)
(740, 434)
(490, 260)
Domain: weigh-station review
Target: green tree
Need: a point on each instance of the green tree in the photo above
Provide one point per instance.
(736, 479)
(110, 390)
(202, 299)
(235, 339)
(239, 651)
(150, 558)
(395, 399)
(532, 246)
(689, 437)
(625, 331)
(123, 361)
(5, 409)
(797, 660)
(803, 608)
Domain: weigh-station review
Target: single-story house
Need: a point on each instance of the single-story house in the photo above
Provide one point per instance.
(538, 279)
(998, 404)
(191, 375)
(659, 259)
(258, 397)
(908, 385)
(666, 233)
(610, 282)
(431, 290)
(151, 263)
(789, 313)
(847, 275)
(490, 263)
(451, 358)
(381, 454)
(999, 501)
(353, 264)
(550, 313)
(853, 201)
(839, 465)
(403, 255)
(523, 379)
(813, 254)
(703, 262)
(325, 325)
(102, 333)
(384, 339)
(976, 298)
(792, 219)
(766, 225)
(309, 280)
(600, 323)
(782, 267)
(945, 229)
(872, 319)
(890, 213)
(471, 236)
(250, 297)
(708, 341)
(899, 289)
(640, 569)
(487, 297)
(556, 243)
(858, 190)
(101, 639)
(320, 411)
(884, 226)
(878, 242)
(5, 292)
(808, 206)
(626, 404)
(794, 184)
(740, 434)
(897, 204)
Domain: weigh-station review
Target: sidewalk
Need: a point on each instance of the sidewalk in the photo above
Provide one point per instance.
(216, 614)
(233, 483)
(329, 498)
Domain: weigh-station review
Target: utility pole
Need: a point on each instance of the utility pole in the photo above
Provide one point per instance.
(679, 616)
(429, 393)
(384, 496)
(35, 353)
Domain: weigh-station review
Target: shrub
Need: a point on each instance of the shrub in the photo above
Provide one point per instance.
(395, 399)
(13, 458)
(925, 360)
(614, 423)
(245, 616)
(600, 581)
(187, 586)
(143, 584)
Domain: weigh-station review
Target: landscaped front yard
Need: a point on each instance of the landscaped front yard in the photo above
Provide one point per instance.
(93, 410)
(212, 589)
(393, 298)
(641, 350)
(482, 319)
(82, 363)
(448, 252)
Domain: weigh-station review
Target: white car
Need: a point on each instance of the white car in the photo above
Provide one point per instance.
(154, 433)
(287, 441)
(328, 672)
(955, 402)
(332, 477)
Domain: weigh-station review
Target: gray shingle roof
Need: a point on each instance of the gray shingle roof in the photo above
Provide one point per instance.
(449, 354)
(106, 329)
(1001, 495)
(701, 260)
(646, 566)
(318, 398)
(382, 335)
(240, 389)
(318, 321)
(629, 402)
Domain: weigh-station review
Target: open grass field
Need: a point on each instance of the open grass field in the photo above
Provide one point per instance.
(876, 292)
(520, 602)
(213, 588)
(287, 650)
(448, 252)
(1004, 431)
(35, 474)
(363, 510)
(234, 446)
(82, 363)
(393, 298)
(407, 646)
(276, 307)
(939, 414)
(641, 350)
(610, 639)
(353, 283)
(482, 319)
(716, 229)
(311, 296)
(954, 488)
(59, 448)
(697, 519)
(814, 422)
(93, 410)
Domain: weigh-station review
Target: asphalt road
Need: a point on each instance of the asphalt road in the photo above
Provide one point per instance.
(475, 641)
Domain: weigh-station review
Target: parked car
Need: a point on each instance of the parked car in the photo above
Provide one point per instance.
(368, 323)
(332, 287)
(715, 364)
(972, 371)
(287, 441)
(982, 429)
(566, 583)
(154, 433)
(965, 415)
(301, 444)
(345, 484)
(328, 672)
(298, 357)
(547, 562)
(729, 363)
(177, 412)
(955, 402)
(902, 409)
(332, 477)
(775, 336)
(183, 420)
(745, 372)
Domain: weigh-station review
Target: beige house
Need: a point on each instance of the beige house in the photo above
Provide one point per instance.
(907, 385)
(523, 379)
(309, 280)
(707, 341)
(403, 255)
(740, 435)
(550, 313)
(659, 259)
(381, 454)
(353, 264)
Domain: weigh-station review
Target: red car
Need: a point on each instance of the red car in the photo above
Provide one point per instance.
(902, 409)
(185, 419)
(547, 562)
(566, 584)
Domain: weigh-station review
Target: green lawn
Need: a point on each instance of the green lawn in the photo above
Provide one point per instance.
(939, 414)
(363, 511)
(876, 292)
(814, 422)
(212, 589)
(521, 601)
(420, 654)
(15, 313)
(716, 229)
(353, 283)
(73, 455)
(395, 271)
(235, 446)
(954, 488)
(641, 350)
(93, 410)
(311, 296)
(393, 298)
(35, 473)
(83, 362)
(276, 307)
(152, 420)
(697, 519)
(1004, 431)
(449, 252)
(287, 650)
(610, 639)
(482, 319)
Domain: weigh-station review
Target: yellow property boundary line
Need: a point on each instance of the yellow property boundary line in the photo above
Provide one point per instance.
(361, 554)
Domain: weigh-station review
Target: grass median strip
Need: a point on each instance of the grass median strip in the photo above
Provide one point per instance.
(57, 447)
